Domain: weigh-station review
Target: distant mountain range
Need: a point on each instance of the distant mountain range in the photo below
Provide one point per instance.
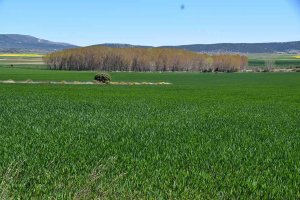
(13, 43)
(117, 45)
(273, 47)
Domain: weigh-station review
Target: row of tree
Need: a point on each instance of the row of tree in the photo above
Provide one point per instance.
(142, 59)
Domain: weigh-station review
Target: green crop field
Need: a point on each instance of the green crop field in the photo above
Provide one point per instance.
(280, 60)
(219, 136)
(22, 61)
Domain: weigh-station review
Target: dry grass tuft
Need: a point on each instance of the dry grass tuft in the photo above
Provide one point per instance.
(8, 178)
(96, 186)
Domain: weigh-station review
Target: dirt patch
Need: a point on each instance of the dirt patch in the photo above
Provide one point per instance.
(271, 70)
(8, 81)
(81, 83)
(139, 83)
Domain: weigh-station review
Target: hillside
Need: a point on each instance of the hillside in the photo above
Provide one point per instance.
(14, 43)
(275, 47)
(118, 45)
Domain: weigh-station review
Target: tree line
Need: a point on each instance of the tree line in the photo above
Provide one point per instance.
(142, 59)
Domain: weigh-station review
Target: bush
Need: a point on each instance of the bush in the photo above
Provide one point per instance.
(103, 77)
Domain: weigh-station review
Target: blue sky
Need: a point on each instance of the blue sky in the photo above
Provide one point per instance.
(153, 22)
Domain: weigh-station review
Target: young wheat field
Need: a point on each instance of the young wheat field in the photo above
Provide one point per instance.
(215, 135)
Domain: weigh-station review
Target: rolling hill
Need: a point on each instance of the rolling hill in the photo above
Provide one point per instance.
(118, 45)
(273, 47)
(14, 43)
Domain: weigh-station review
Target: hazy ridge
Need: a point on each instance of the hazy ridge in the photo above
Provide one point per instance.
(14, 43)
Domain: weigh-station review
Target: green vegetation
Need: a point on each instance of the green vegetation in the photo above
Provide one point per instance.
(280, 61)
(205, 136)
(103, 77)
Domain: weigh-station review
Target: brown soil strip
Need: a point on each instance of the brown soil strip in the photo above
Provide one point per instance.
(81, 83)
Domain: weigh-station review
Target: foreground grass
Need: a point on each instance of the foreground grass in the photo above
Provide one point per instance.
(205, 136)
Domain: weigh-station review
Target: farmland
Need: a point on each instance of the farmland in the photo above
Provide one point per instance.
(205, 136)
(22, 60)
(280, 60)
(255, 60)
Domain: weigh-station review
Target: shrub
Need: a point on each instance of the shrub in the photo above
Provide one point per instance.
(103, 77)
